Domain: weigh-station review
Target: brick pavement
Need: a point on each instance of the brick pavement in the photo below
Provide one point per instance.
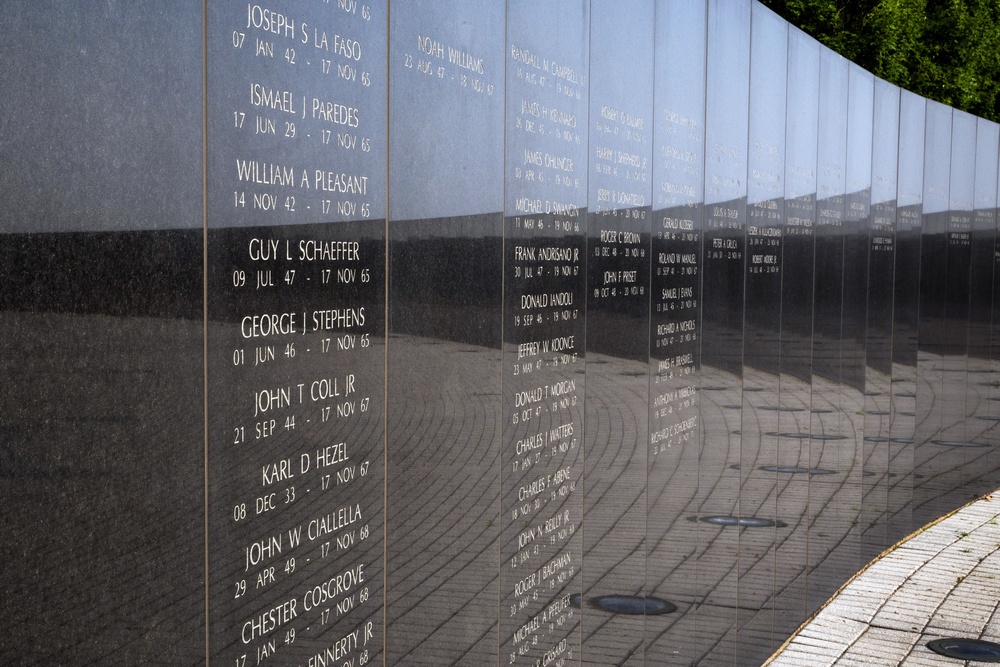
(943, 581)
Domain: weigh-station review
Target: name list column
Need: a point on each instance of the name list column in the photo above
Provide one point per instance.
(545, 293)
(678, 179)
(296, 256)
(618, 267)
(446, 94)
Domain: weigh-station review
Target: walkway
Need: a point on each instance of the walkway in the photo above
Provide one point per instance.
(943, 581)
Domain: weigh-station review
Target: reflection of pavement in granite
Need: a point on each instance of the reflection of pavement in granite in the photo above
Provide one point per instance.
(106, 499)
(234, 476)
(102, 490)
(949, 468)
(755, 585)
(942, 582)
(747, 585)
(443, 515)
(614, 518)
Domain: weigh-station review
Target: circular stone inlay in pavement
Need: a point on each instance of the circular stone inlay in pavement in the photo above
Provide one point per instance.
(741, 521)
(877, 438)
(958, 443)
(966, 649)
(633, 605)
(795, 469)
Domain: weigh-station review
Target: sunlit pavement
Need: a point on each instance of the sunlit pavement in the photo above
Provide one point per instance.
(943, 581)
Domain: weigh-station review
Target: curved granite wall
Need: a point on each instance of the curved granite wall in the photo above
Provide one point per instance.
(581, 332)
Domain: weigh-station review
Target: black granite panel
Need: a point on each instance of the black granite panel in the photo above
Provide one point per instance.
(856, 232)
(959, 465)
(980, 388)
(101, 449)
(906, 304)
(876, 442)
(101, 117)
(857, 222)
(446, 100)
(672, 569)
(827, 430)
(617, 330)
(723, 274)
(296, 331)
(982, 239)
(762, 330)
(793, 453)
(543, 347)
(319, 320)
(994, 334)
(930, 458)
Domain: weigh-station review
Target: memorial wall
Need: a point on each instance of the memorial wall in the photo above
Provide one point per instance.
(445, 333)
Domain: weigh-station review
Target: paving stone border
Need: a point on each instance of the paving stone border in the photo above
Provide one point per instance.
(941, 581)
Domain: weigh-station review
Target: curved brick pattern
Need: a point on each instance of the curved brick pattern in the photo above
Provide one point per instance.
(942, 582)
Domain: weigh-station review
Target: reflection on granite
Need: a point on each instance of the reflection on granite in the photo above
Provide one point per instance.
(102, 484)
(659, 350)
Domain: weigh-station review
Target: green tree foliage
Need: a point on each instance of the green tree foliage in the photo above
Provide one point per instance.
(945, 50)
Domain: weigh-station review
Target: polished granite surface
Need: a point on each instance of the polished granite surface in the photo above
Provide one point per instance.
(451, 335)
